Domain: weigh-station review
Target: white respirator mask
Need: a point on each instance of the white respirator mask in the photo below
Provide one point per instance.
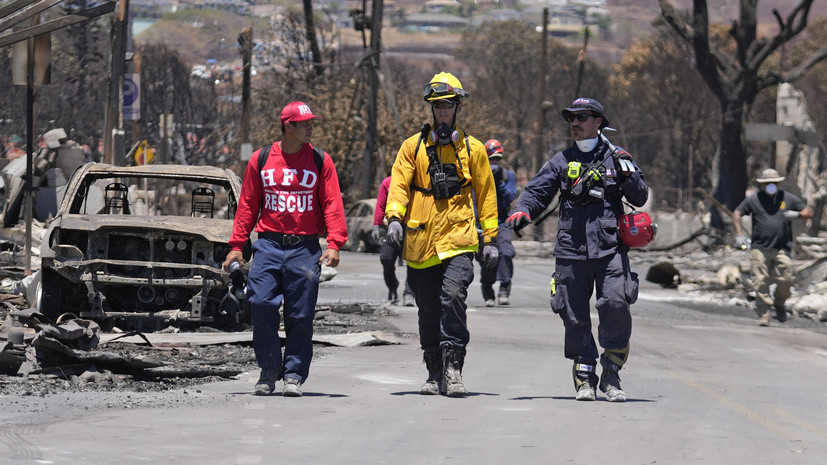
(586, 145)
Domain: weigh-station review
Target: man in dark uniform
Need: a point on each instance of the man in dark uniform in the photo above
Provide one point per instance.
(506, 183)
(593, 177)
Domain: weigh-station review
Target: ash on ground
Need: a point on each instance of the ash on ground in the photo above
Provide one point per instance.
(173, 366)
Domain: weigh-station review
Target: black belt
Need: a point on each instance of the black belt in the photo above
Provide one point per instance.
(288, 239)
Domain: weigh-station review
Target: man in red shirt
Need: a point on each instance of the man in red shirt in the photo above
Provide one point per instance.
(290, 203)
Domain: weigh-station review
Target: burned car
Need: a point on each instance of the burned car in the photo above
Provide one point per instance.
(359, 219)
(142, 242)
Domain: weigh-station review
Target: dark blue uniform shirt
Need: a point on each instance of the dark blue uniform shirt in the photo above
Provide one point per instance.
(588, 226)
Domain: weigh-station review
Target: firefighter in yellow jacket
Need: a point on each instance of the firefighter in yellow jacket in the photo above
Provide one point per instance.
(436, 179)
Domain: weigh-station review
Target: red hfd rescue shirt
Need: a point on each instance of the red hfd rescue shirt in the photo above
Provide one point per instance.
(289, 196)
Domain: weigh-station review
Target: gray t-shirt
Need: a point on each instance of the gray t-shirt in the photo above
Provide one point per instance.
(769, 228)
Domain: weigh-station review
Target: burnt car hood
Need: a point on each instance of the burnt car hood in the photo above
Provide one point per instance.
(211, 229)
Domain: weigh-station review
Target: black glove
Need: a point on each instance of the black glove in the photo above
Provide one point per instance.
(518, 220)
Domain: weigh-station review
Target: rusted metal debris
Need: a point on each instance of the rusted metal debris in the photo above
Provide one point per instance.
(72, 348)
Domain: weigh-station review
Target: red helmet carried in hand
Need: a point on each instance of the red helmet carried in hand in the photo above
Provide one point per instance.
(637, 229)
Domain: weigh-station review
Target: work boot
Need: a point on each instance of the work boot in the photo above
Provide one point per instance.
(292, 388)
(584, 381)
(764, 320)
(503, 298)
(781, 314)
(433, 362)
(610, 384)
(585, 392)
(453, 359)
(267, 381)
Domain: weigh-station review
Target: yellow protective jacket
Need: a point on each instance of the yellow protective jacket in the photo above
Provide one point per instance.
(439, 229)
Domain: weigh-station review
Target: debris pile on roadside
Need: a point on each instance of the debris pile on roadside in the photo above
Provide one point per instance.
(41, 357)
(723, 275)
(34, 348)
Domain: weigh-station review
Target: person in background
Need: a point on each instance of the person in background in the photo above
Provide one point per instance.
(388, 254)
(506, 182)
(593, 177)
(290, 203)
(773, 210)
(439, 174)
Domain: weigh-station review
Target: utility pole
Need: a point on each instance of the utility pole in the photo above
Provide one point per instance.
(541, 112)
(29, 151)
(136, 126)
(581, 58)
(245, 40)
(245, 149)
(373, 70)
(112, 120)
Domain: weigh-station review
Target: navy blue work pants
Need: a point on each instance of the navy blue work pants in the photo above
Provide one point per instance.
(440, 293)
(616, 288)
(291, 273)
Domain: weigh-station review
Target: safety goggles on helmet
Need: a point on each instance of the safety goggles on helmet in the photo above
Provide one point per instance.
(442, 90)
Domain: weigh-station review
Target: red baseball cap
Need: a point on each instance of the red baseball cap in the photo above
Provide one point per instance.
(297, 111)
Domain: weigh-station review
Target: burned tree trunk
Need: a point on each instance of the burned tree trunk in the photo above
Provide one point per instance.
(731, 66)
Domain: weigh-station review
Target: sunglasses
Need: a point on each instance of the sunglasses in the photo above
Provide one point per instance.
(582, 117)
(443, 104)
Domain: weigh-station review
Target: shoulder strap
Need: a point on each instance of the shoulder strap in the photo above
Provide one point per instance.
(461, 169)
(263, 154)
(423, 134)
(318, 157)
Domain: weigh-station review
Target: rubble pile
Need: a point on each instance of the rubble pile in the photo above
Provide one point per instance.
(41, 357)
(71, 353)
(723, 276)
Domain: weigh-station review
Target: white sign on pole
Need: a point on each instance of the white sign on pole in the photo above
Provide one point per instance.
(132, 96)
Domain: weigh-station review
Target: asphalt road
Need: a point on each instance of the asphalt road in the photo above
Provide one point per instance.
(705, 385)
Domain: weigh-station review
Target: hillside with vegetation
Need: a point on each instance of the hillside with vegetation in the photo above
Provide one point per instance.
(201, 35)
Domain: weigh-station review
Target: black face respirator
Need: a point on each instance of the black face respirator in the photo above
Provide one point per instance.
(444, 135)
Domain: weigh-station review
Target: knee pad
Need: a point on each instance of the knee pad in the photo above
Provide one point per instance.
(615, 356)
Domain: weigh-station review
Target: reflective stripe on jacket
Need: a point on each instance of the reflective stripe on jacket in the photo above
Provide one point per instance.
(439, 229)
